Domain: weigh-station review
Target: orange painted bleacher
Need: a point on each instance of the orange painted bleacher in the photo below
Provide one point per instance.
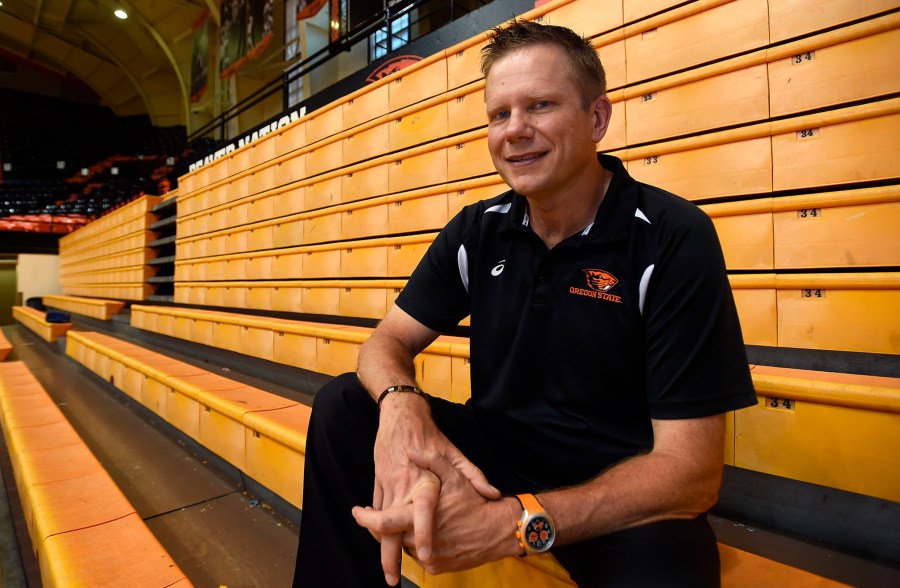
(777, 117)
(265, 436)
(83, 530)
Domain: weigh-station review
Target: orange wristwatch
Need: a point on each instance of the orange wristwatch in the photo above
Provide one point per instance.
(536, 530)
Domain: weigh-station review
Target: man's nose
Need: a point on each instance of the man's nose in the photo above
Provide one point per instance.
(518, 126)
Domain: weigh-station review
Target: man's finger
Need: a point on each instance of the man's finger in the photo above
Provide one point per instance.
(390, 558)
(425, 499)
(378, 497)
(477, 478)
(384, 522)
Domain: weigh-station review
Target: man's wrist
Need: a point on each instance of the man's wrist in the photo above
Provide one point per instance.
(403, 402)
(512, 518)
(400, 388)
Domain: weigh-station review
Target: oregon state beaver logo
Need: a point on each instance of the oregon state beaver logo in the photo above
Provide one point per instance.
(600, 280)
(392, 65)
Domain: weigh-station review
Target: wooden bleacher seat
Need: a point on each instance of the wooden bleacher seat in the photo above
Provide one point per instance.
(836, 147)
(692, 34)
(36, 321)
(847, 228)
(835, 229)
(110, 257)
(365, 104)
(98, 308)
(267, 441)
(443, 369)
(5, 347)
(372, 258)
(836, 311)
(804, 416)
(583, 17)
(838, 67)
(700, 99)
(84, 532)
(634, 10)
(358, 298)
(794, 18)
(213, 410)
(725, 163)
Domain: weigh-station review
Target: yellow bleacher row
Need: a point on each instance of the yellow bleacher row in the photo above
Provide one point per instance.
(842, 312)
(261, 434)
(135, 274)
(92, 307)
(5, 347)
(110, 257)
(729, 162)
(842, 146)
(118, 291)
(83, 530)
(839, 229)
(796, 153)
(140, 256)
(125, 220)
(264, 436)
(746, 151)
(436, 74)
(873, 403)
(36, 321)
(215, 411)
(102, 252)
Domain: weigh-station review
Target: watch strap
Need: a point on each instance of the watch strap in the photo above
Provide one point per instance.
(530, 503)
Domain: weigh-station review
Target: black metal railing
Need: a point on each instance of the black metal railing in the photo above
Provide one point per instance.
(424, 11)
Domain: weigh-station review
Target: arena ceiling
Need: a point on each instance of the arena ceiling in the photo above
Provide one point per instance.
(139, 65)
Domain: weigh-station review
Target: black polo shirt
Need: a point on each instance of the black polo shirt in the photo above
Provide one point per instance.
(574, 349)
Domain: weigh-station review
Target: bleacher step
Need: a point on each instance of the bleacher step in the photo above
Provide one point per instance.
(164, 222)
(162, 260)
(202, 515)
(164, 241)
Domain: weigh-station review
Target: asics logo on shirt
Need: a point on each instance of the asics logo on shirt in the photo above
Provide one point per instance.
(498, 269)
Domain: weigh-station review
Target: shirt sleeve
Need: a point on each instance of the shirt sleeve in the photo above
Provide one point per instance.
(696, 363)
(436, 294)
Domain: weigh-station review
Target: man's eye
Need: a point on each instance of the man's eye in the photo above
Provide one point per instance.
(542, 104)
(500, 115)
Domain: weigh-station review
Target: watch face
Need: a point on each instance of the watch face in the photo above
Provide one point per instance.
(539, 533)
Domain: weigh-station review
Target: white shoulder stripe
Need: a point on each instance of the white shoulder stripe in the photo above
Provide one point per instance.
(642, 288)
(640, 214)
(462, 260)
(501, 208)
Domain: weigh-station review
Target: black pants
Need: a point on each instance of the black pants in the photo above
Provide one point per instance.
(340, 473)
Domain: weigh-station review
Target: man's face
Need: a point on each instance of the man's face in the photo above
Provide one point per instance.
(540, 137)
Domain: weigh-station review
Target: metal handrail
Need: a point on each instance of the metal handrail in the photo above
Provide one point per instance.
(295, 72)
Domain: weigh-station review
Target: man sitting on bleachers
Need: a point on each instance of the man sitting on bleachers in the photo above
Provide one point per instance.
(605, 348)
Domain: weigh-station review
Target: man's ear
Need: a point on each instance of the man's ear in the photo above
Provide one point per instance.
(601, 112)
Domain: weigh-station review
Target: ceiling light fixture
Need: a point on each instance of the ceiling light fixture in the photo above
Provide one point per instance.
(121, 14)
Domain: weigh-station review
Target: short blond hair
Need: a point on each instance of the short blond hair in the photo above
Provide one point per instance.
(584, 63)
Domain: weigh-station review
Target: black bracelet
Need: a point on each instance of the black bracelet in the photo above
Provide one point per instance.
(401, 388)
